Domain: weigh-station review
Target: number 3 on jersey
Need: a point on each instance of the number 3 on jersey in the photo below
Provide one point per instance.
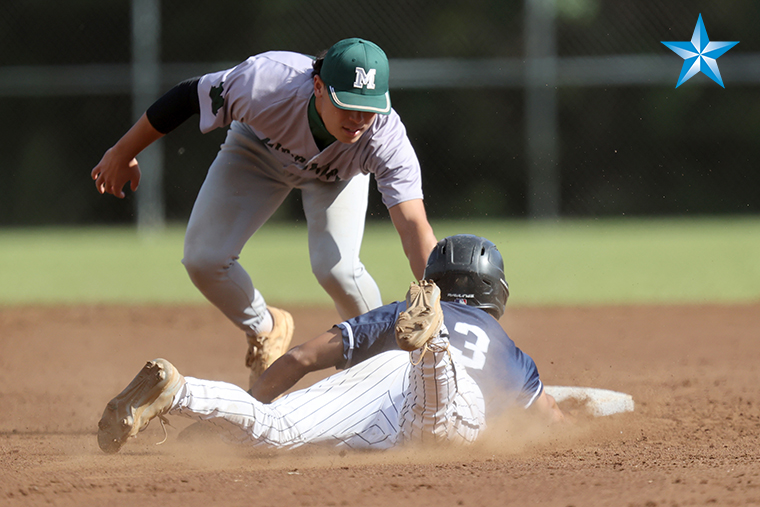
(479, 346)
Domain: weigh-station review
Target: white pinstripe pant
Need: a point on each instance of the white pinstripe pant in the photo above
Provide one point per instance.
(379, 403)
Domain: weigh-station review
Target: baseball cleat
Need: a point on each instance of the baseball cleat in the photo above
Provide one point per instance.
(149, 395)
(422, 318)
(264, 349)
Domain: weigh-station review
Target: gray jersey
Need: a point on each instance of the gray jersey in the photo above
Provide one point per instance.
(270, 92)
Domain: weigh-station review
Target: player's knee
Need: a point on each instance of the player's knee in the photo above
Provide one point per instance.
(201, 266)
(337, 278)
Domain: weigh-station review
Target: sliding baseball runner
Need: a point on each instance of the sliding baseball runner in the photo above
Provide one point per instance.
(425, 369)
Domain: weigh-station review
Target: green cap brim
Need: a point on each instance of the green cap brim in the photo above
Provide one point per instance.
(380, 104)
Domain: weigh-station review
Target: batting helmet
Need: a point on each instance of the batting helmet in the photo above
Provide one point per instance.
(469, 269)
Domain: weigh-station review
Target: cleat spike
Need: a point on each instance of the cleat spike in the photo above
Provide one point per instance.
(422, 318)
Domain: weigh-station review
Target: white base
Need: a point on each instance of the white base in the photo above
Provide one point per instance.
(600, 402)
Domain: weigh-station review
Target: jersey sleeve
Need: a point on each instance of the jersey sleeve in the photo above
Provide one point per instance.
(227, 95)
(394, 162)
(369, 334)
(242, 92)
(532, 385)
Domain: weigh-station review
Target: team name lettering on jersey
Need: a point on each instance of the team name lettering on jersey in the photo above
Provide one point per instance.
(278, 147)
(325, 173)
(365, 78)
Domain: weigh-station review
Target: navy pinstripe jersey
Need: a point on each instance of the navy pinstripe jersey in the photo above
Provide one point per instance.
(505, 374)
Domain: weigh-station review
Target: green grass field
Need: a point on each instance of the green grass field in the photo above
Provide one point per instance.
(569, 262)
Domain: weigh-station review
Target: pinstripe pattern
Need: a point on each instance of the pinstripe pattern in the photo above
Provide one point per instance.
(444, 403)
(355, 408)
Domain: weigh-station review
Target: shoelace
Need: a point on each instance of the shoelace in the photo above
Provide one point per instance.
(425, 348)
(164, 421)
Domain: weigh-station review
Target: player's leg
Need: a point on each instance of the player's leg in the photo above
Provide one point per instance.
(159, 389)
(442, 402)
(243, 188)
(355, 408)
(335, 213)
(235, 415)
(236, 199)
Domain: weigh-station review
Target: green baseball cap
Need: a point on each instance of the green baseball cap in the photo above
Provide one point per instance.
(355, 72)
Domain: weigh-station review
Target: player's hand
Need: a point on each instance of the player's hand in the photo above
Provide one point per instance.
(111, 174)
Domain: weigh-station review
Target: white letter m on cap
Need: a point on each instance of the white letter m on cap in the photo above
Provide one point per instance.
(365, 78)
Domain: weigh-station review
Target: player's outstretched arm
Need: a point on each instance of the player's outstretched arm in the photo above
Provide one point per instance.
(119, 166)
(416, 234)
(322, 352)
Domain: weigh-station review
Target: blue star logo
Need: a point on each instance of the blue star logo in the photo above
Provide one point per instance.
(700, 54)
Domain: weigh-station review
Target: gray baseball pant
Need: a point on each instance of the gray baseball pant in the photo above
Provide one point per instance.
(245, 185)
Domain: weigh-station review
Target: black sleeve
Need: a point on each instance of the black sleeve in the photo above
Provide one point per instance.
(175, 106)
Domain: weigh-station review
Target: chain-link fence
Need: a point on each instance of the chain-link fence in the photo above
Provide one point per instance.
(516, 108)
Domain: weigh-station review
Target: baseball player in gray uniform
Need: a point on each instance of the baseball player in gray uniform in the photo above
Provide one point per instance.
(428, 369)
(319, 125)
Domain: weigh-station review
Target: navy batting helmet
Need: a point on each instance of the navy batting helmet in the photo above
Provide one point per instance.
(469, 269)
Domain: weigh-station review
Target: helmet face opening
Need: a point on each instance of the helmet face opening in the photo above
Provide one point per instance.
(470, 270)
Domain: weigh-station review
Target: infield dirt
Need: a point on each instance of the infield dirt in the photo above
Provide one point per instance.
(692, 439)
